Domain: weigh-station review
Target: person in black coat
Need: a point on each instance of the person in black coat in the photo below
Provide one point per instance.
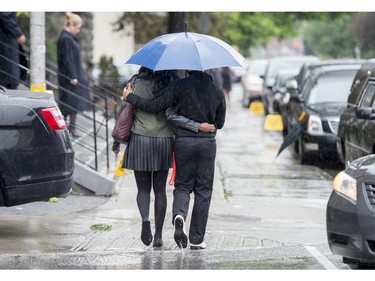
(227, 82)
(74, 93)
(11, 37)
(198, 98)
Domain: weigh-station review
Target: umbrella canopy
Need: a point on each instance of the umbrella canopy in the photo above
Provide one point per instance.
(187, 51)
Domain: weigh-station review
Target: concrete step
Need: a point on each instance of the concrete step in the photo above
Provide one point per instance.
(100, 181)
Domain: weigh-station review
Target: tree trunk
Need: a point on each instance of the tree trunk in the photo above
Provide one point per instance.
(176, 22)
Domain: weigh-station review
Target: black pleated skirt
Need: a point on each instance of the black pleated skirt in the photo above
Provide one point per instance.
(148, 153)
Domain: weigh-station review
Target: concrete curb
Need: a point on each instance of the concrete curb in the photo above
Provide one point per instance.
(93, 180)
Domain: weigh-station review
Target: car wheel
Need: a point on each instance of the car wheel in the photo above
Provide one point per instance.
(301, 152)
(246, 102)
(285, 131)
(295, 146)
(265, 104)
(355, 264)
(276, 107)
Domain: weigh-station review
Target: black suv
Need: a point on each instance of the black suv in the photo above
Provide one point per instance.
(356, 130)
(36, 155)
(273, 67)
(295, 86)
(322, 100)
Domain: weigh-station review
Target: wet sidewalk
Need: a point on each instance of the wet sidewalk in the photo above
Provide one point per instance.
(263, 213)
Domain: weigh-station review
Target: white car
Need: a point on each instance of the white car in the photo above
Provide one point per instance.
(252, 81)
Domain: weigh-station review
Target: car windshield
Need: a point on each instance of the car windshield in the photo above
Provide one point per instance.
(276, 66)
(283, 78)
(330, 89)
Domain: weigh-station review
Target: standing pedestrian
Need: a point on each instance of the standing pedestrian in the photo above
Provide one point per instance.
(216, 76)
(11, 37)
(198, 98)
(227, 83)
(74, 93)
(149, 152)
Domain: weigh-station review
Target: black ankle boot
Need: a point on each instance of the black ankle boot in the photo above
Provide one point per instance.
(146, 235)
(73, 131)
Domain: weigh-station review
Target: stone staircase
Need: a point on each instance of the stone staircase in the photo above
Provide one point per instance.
(102, 180)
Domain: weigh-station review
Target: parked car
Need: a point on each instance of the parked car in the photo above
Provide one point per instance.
(252, 81)
(275, 65)
(323, 98)
(311, 67)
(237, 72)
(295, 86)
(356, 130)
(279, 90)
(350, 214)
(36, 155)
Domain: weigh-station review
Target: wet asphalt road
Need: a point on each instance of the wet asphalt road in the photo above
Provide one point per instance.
(266, 213)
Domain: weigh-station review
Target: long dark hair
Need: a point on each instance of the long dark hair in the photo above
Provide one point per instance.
(162, 80)
(145, 72)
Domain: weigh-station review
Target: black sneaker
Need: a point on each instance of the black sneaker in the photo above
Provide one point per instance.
(179, 232)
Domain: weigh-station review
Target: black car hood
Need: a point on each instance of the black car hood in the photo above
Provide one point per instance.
(328, 109)
(362, 166)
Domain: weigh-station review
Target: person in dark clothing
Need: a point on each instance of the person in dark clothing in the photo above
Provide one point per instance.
(198, 98)
(227, 82)
(149, 151)
(74, 93)
(11, 37)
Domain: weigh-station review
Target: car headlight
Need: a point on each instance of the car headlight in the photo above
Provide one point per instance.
(314, 125)
(346, 186)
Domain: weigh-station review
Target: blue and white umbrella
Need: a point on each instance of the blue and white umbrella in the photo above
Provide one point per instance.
(186, 50)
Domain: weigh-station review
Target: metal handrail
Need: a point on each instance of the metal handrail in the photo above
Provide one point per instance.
(97, 123)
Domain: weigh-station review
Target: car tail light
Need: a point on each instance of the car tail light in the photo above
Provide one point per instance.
(54, 118)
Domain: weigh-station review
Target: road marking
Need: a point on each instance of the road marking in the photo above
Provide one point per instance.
(322, 259)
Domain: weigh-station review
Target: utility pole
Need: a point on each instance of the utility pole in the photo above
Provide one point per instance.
(37, 52)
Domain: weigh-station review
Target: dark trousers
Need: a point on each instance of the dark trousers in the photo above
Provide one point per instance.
(195, 166)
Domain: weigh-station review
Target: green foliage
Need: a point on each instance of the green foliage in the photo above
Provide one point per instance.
(250, 29)
(101, 227)
(109, 77)
(241, 29)
(146, 25)
(330, 39)
(23, 19)
(53, 200)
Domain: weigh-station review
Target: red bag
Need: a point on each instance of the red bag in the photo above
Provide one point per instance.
(173, 176)
(122, 129)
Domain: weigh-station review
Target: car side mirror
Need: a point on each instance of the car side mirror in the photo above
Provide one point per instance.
(365, 113)
(296, 98)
